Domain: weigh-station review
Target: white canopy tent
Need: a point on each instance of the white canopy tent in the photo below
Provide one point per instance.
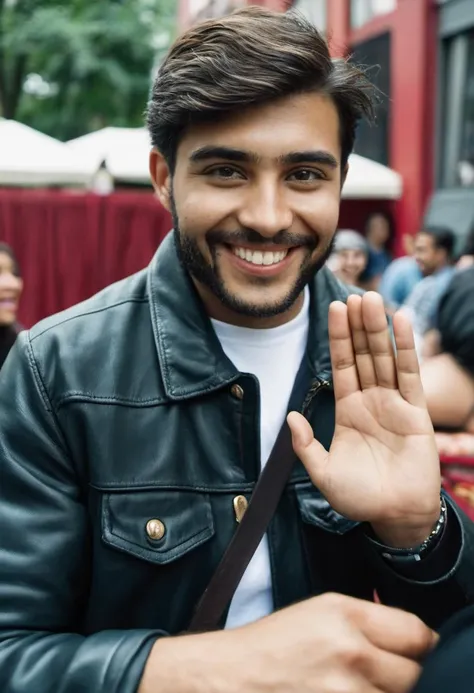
(369, 180)
(125, 152)
(30, 158)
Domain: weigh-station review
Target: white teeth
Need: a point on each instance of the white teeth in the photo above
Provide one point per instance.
(257, 257)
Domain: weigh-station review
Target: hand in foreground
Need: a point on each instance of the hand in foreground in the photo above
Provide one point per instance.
(328, 644)
(383, 465)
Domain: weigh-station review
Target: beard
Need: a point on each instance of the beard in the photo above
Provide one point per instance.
(207, 274)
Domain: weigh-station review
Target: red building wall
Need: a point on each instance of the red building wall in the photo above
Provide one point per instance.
(413, 29)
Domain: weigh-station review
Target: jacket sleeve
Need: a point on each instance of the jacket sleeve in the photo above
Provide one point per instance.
(438, 586)
(43, 555)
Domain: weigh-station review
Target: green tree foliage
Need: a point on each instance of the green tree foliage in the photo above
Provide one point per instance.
(69, 67)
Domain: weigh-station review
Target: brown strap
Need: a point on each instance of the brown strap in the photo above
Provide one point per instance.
(248, 535)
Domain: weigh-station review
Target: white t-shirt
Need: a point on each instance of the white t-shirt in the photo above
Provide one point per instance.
(274, 356)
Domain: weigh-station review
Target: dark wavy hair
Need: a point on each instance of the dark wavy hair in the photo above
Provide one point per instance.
(443, 239)
(8, 333)
(251, 57)
(5, 249)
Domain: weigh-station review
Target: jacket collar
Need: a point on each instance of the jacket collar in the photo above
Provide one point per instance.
(191, 358)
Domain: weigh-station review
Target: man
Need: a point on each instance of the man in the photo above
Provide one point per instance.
(400, 277)
(434, 249)
(133, 427)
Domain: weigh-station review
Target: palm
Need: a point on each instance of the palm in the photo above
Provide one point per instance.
(382, 465)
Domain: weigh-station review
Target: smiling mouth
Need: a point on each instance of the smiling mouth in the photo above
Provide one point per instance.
(8, 303)
(260, 257)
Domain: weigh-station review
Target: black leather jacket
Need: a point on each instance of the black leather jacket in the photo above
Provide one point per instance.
(122, 410)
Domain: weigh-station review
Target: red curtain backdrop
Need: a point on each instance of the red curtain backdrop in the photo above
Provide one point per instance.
(70, 245)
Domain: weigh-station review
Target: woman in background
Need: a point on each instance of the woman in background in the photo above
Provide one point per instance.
(11, 286)
(379, 234)
(349, 257)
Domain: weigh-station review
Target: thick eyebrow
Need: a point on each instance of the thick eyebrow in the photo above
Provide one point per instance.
(228, 153)
(312, 156)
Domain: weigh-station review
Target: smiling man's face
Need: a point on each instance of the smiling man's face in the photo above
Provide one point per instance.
(255, 199)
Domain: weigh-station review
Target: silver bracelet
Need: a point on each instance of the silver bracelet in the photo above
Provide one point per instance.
(416, 553)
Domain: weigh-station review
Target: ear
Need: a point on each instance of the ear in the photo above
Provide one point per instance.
(161, 178)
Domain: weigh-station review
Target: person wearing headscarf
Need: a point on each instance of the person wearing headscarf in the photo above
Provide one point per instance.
(349, 257)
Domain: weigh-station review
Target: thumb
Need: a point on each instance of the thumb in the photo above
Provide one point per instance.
(310, 451)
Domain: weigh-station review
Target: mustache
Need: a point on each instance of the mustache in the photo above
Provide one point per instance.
(249, 237)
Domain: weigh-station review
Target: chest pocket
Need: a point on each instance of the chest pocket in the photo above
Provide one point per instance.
(158, 526)
(315, 510)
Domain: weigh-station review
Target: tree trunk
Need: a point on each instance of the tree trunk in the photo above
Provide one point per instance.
(13, 91)
(2, 59)
(12, 75)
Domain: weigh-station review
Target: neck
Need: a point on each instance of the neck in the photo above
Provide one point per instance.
(441, 267)
(378, 246)
(218, 311)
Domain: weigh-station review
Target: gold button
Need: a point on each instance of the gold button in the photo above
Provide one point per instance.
(155, 529)
(240, 506)
(237, 391)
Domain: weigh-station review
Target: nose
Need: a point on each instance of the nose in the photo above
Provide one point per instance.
(265, 209)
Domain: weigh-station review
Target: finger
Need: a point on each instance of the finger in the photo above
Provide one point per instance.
(391, 673)
(408, 369)
(309, 450)
(345, 376)
(363, 357)
(393, 630)
(379, 338)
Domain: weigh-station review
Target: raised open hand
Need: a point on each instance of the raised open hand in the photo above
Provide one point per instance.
(383, 465)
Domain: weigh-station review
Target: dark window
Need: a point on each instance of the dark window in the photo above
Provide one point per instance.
(372, 141)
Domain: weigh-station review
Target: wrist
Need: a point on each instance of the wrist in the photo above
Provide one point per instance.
(191, 664)
(413, 551)
(401, 536)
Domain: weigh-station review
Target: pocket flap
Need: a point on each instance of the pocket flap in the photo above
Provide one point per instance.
(156, 525)
(315, 510)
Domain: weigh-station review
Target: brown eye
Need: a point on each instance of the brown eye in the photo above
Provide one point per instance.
(225, 173)
(306, 175)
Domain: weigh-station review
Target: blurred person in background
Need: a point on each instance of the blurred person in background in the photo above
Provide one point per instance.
(400, 277)
(432, 338)
(11, 286)
(433, 252)
(467, 256)
(448, 376)
(349, 257)
(379, 233)
(450, 668)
